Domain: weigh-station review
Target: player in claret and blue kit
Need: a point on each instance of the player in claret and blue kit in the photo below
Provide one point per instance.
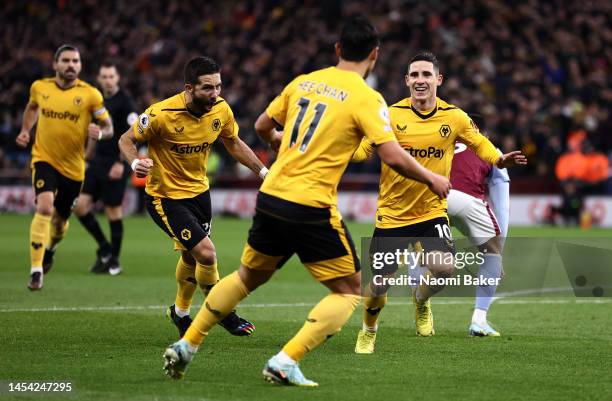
(485, 226)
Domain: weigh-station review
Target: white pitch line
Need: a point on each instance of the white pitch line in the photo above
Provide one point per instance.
(466, 301)
(547, 290)
(532, 291)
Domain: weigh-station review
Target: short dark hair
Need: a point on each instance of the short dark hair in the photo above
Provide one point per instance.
(425, 55)
(198, 66)
(357, 39)
(109, 64)
(63, 48)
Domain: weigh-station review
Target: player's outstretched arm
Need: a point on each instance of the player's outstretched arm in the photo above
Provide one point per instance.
(127, 146)
(30, 115)
(486, 151)
(244, 155)
(515, 158)
(395, 157)
(266, 128)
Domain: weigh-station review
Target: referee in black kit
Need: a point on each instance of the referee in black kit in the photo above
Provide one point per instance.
(107, 174)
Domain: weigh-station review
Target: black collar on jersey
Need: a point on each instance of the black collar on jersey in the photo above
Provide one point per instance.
(191, 112)
(428, 115)
(185, 109)
(65, 89)
(423, 116)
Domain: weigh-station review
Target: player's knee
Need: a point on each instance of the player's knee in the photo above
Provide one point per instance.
(46, 209)
(81, 208)
(448, 270)
(253, 278)
(204, 252)
(83, 204)
(114, 212)
(204, 256)
(494, 245)
(443, 270)
(345, 285)
(188, 259)
(379, 290)
(44, 203)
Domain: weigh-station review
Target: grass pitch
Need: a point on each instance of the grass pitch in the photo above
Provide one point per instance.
(106, 334)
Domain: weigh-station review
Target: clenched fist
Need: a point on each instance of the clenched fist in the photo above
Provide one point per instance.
(23, 139)
(142, 167)
(94, 131)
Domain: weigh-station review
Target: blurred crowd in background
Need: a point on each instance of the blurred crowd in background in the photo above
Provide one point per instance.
(536, 73)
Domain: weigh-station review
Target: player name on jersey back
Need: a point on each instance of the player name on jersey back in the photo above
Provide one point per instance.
(323, 89)
(324, 115)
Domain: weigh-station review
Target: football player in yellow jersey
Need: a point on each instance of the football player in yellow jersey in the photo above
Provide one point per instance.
(324, 115)
(408, 213)
(180, 132)
(63, 107)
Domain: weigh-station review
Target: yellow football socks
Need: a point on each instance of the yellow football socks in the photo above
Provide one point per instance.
(185, 283)
(424, 291)
(223, 298)
(39, 236)
(372, 305)
(57, 234)
(324, 320)
(207, 276)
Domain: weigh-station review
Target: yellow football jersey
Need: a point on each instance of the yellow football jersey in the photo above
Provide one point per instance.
(430, 139)
(63, 117)
(179, 145)
(324, 115)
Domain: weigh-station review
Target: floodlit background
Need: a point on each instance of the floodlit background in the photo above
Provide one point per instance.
(534, 75)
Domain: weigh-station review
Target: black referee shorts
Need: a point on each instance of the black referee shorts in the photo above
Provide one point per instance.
(99, 186)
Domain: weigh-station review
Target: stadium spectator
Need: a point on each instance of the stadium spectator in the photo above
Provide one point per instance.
(584, 165)
(533, 69)
(580, 171)
(571, 207)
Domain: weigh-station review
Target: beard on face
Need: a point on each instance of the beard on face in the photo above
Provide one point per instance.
(64, 75)
(203, 102)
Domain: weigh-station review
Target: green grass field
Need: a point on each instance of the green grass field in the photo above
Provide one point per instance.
(106, 334)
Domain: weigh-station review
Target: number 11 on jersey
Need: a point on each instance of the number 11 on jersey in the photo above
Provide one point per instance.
(319, 110)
